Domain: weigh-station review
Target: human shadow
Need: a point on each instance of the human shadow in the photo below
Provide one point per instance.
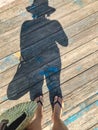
(40, 56)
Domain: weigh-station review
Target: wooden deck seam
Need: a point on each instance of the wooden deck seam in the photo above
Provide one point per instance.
(93, 80)
(67, 65)
(79, 60)
(85, 29)
(80, 31)
(79, 10)
(74, 107)
(19, 15)
(79, 63)
(63, 17)
(61, 7)
(61, 55)
(72, 92)
(57, 57)
(81, 72)
(92, 126)
(76, 76)
(87, 105)
(79, 86)
(83, 19)
(39, 5)
(28, 3)
(63, 81)
(75, 90)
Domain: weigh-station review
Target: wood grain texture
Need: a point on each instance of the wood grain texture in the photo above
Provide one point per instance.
(76, 63)
(17, 42)
(66, 59)
(94, 127)
(65, 22)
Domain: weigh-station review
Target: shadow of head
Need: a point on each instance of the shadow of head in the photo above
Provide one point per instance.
(40, 8)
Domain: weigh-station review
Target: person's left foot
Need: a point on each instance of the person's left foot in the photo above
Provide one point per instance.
(39, 111)
(58, 105)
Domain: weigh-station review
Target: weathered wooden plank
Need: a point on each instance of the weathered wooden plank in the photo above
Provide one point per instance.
(11, 24)
(10, 5)
(65, 9)
(15, 3)
(69, 100)
(12, 103)
(75, 113)
(66, 20)
(79, 80)
(76, 85)
(88, 118)
(80, 105)
(10, 44)
(83, 25)
(10, 37)
(60, 9)
(86, 91)
(95, 127)
(70, 71)
(66, 59)
(78, 14)
(77, 40)
(89, 74)
(81, 94)
(68, 32)
(19, 10)
(71, 39)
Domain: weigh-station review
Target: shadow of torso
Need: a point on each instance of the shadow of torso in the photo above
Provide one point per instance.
(39, 38)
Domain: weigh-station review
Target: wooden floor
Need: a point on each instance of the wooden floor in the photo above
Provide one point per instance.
(79, 71)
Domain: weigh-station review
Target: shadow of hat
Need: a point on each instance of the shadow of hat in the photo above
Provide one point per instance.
(40, 7)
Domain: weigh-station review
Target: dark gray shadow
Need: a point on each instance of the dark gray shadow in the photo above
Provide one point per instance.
(40, 56)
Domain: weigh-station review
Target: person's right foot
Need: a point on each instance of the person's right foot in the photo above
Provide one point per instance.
(39, 111)
(57, 107)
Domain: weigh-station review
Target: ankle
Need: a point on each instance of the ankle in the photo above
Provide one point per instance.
(56, 117)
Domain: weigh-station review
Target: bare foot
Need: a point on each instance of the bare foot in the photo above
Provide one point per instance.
(38, 115)
(57, 108)
(39, 111)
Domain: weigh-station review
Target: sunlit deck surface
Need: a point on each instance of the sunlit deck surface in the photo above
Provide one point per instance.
(79, 60)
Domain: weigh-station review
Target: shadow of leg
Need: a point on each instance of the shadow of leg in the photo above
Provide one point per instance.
(53, 84)
(36, 89)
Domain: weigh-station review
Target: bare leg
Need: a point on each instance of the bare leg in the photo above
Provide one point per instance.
(36, 123)
(58, 123)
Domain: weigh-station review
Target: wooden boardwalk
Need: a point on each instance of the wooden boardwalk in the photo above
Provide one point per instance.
(75, 61)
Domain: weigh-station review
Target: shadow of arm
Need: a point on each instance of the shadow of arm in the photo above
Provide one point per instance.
(61, 36)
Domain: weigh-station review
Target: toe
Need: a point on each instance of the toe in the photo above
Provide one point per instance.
(60, 99)
(41, 98)
(55, 99)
